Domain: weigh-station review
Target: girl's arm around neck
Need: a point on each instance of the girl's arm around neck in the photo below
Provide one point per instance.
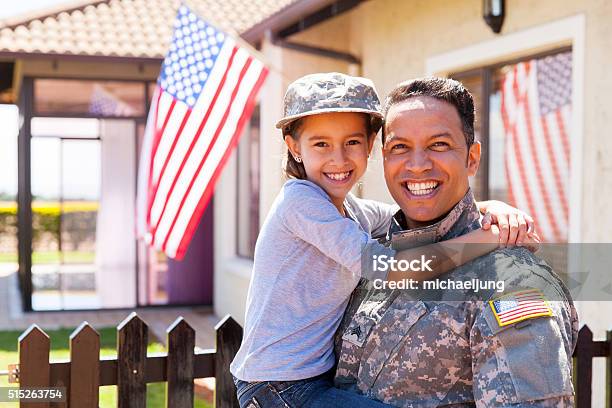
(439, 258)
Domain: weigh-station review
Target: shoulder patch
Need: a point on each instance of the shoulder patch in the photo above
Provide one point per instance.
(518, 306)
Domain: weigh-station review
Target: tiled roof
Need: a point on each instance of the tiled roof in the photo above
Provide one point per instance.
(123, 28)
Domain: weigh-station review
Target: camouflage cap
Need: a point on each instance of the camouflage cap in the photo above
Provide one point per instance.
(331, 92)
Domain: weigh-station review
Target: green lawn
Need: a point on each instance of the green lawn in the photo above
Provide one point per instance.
(53, 257)
(60, 350)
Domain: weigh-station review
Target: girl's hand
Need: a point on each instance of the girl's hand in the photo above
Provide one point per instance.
(532, 242)
(515, 226)
(492, 235)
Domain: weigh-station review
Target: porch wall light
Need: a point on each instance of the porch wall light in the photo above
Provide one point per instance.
(493, 12)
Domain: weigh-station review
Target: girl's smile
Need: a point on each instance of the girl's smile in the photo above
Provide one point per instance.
(339, 178)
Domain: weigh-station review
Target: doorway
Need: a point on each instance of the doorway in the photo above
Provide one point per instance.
(78, 249)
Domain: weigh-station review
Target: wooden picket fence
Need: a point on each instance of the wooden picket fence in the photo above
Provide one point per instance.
(132, 369)
(585, 350)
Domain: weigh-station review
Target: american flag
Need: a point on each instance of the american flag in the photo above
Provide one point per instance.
(519, 306)
(536, 112)
(104, 103)
(205, 94)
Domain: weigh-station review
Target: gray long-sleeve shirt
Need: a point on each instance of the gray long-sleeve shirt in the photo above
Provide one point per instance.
(308, 260)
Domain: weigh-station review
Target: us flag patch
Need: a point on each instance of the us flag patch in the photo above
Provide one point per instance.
(518, 306)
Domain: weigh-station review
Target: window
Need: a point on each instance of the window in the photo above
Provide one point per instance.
(66, 192)
(89, 98)
(82, 186)
(475, 82)
(523, 113)
(247, 220)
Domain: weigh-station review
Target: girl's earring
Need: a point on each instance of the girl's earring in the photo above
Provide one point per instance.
(298, 159)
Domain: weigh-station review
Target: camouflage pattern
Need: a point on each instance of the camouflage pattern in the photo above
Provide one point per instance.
(330, 92)
(397, 348)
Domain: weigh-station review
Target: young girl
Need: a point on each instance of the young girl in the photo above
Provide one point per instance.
(316, 244)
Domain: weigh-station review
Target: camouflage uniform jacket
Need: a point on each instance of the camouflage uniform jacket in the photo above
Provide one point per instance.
(407, 351)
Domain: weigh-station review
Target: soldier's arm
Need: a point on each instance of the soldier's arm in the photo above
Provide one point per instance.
(526, 364)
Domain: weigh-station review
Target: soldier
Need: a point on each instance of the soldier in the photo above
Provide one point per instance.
(460, 347)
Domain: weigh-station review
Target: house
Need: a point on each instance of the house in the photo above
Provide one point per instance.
(391, 41)
(82, 76)
(386, 40)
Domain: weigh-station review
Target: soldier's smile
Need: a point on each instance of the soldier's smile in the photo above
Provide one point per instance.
(421, 189)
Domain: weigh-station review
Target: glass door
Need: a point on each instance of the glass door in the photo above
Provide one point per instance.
(66, 173)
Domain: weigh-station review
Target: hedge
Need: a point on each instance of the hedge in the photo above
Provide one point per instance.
(78, 216)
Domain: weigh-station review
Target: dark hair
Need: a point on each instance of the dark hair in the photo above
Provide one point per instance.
(296, 170)
(443, 89)
(292, 168)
